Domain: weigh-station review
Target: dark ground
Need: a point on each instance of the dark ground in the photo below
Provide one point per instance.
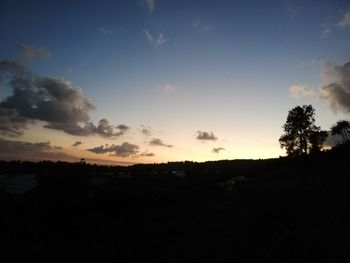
(288, 210)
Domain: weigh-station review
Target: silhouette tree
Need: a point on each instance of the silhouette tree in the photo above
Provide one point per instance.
(317, 139)
(342, 128)
(301, 135)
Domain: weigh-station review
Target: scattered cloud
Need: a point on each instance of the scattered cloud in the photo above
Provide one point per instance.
(52, 100)
(19, 150)
(124, 150)
(102, 149)
(345, 21)
(200, 26)
(149, 5)
(338, 92)
(297, 90)
(147, 154)
(217, 150)
(159, 142)
(107, 130)
(155, 40)
(77, 143)
(105, 31)
(168, 88)
(29, 52)
(206, 136)
(146, 132)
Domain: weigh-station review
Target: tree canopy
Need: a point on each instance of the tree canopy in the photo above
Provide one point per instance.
(342, 128)
(301, 136)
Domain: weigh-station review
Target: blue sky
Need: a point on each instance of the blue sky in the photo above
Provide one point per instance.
(179, 67)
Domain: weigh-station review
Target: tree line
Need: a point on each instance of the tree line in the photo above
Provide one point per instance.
(301, 136)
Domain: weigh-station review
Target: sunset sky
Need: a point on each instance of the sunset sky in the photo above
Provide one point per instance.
(144, 81)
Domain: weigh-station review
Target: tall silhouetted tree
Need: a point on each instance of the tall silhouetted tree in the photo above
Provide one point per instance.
(342, 128)
(301, 135)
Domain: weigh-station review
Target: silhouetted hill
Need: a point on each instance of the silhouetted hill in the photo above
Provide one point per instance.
(277, 210)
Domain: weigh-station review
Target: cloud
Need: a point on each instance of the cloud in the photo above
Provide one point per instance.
(29, 52)
(105, 31)
(102, 149)
(107, 130)
(18, 150)
(146, 132)
(345, 21)
(147, 154)
(206, 136)
(300, 90)
(77, 143)
(124, 150)
(217, 150)
(338, 92)
(159, 142)
(149, 4)
(11, 124)
(199, 25)
(52, 100)
(168, 88)
(154, 40)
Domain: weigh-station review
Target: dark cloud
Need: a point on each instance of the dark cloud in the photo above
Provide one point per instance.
(11, 124)
(206, 136)
(30, 52)
(77, 143)
(14, 70)
(146, 132)
(123, 127)
(147, 154)
(107, 130)
(124, 150)
(18, 150)
(159, 142)
(338, 92)
(217, 150)
(103, 149)
(47, 99)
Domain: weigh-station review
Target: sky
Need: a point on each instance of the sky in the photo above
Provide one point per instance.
(146, 81)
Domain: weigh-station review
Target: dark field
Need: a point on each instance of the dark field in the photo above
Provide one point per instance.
(281, 210)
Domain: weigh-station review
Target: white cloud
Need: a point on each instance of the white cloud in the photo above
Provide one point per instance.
(155, 40)
(297, 90)
(345, 22)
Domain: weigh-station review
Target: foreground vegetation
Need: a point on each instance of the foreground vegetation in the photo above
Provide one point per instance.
(285, 210)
